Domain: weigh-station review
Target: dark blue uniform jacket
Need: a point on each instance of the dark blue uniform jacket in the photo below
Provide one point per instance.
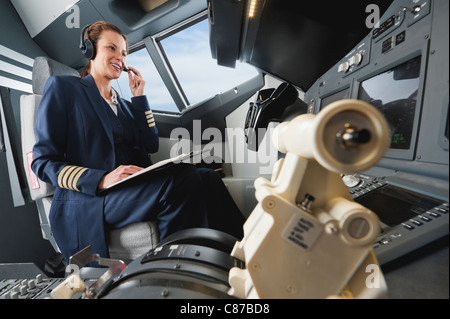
(75, 149)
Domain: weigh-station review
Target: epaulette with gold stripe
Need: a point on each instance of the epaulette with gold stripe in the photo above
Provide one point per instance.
(69, 176)
(150, 118)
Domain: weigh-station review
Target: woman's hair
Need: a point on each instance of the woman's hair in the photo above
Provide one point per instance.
(94, 33)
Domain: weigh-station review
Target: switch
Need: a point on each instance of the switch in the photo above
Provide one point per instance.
(387, 45)
(355, 60)
(400, 38)
(416, 9)
(31, 284)
(23, 290)
(343, 67)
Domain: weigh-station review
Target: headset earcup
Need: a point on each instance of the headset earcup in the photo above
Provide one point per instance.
(89, 50)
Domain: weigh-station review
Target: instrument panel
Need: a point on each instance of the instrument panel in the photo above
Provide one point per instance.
(401, 68)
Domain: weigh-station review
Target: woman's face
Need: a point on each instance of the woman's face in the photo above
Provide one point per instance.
(111, 53)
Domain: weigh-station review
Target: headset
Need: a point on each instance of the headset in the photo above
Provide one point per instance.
(86, 46)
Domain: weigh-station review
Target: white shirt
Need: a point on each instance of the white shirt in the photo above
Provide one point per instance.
(114, 102)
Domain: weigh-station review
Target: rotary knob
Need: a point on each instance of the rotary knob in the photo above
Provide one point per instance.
(351, 180)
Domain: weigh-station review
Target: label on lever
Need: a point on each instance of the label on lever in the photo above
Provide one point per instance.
(302, 231)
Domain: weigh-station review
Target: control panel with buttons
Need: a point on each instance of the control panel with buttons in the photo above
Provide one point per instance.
(356, 59)
(359, 184)
(407, 46)
(39, 287)
(389, 25)
(404, 226)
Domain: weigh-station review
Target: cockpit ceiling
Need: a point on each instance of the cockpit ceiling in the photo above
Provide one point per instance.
(56, 25)
(280, 39)
(37, 15)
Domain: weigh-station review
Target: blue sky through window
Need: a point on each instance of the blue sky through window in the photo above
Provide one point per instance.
(189, 54)
(157, 93)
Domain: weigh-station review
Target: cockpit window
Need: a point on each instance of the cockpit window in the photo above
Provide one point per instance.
(180, 59)
(155, 89)
(199, 75)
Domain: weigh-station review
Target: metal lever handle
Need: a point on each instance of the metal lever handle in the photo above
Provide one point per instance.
(351, 137)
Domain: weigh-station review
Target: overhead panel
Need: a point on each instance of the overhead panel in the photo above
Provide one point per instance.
(293, 42)
(37, 15)
(149, 5)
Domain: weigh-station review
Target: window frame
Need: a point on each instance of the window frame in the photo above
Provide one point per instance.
(163, 66)
(212, 111)
(162, 63)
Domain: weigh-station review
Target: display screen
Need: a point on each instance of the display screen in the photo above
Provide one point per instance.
(341, 95)
(394, 93)
(394, 205)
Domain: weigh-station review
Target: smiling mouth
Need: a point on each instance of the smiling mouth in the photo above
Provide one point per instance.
(116, 66)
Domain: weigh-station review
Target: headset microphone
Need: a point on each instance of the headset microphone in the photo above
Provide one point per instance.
(86, 46)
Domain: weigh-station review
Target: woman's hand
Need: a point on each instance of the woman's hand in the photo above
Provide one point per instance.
(137, 83)
(116, 175)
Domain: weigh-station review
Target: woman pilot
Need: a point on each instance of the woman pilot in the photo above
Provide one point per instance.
(89, 138)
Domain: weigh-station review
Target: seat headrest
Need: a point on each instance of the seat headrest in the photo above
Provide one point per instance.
(44, 67)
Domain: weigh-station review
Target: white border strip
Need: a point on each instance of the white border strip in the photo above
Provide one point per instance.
(16, 56)
(13, 84)
(15, 70)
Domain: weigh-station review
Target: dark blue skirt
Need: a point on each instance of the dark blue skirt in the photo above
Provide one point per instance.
(177, 197)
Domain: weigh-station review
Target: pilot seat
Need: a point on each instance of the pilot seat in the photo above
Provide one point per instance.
(125, 243)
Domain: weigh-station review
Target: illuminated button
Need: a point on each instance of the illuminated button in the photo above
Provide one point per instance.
(343, 67)
(407, 226)
(435, 215)
(356, 59)
(416, 222)
(425, 218)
